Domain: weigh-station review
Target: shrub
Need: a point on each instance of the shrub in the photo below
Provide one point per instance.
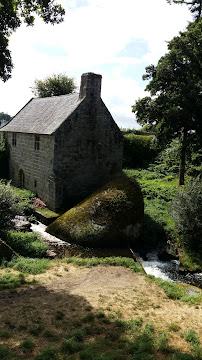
(186, 211)
(4, 160)
(26, 244)
(139, 150)
(10, 205)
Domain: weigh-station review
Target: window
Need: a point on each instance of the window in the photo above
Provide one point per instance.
(14, 139)
(37, 142)
(35, 183)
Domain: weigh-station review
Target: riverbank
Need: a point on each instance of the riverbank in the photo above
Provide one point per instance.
(166, 270)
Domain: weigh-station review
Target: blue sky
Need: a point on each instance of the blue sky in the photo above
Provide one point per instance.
(114, 39)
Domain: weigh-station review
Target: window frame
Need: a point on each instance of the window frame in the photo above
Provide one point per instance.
(37, 142)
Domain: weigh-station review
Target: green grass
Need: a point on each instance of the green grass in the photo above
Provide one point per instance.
(47, 212)
(26, 244)
(118, 340)
(191, 337)
(113, 261)
(28, 265)
(158, 191)
(11, 281)
(175, 292)
(23, 193)
(27, 345)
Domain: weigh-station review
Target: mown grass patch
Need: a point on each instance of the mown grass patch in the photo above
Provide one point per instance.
(133, 339)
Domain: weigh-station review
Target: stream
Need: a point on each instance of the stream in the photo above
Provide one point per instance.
(166, 270)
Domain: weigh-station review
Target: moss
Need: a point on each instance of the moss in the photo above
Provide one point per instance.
(109, 217)
(47, 212)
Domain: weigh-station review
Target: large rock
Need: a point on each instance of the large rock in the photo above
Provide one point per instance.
(110, 217)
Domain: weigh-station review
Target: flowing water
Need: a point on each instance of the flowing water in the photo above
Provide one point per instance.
(167, 270)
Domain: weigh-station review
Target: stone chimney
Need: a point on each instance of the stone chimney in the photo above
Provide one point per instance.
(90, 85)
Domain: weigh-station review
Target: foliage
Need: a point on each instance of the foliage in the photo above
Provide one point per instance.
(176, 91)
(139, 150)
(28, 265)
(158, 191)
(12, 14)
(11, 281)
(57, 84)
(113, 261)
(4, 159)
(167, 161)
(186, 212)
(195, 6)
(10, 205)
(3, 117)
(26, 244)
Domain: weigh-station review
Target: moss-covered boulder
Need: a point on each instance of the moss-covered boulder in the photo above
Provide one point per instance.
(110, 217)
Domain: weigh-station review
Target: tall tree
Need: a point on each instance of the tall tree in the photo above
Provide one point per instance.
(175, 104)
(57, 84)
(195, 6)
(12, 14)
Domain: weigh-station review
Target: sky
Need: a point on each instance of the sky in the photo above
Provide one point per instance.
(116, 39)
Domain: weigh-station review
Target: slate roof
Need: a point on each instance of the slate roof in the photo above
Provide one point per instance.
(43, 115)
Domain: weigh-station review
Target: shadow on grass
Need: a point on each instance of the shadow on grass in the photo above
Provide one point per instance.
(43, 322)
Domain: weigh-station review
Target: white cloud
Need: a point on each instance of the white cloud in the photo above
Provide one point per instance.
(92, 35)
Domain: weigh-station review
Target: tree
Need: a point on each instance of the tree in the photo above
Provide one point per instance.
(195, 6)
(186, 211)
(4, 118)
(57, 84)
(12, 14)
(175, 104)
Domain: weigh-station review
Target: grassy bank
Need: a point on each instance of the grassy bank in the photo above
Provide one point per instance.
(79, 310)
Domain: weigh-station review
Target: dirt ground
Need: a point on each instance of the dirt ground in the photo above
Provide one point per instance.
(73, 291)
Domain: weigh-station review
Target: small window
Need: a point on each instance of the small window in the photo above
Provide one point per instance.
(37, 142)
(35, 183)
(14, 139)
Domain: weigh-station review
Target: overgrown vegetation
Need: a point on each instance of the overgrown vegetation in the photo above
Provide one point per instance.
(27, 265)
(139, 150)
(26, 244)
(4, 159)
(187, 214)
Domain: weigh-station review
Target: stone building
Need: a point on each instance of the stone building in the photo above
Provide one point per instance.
(64, 147)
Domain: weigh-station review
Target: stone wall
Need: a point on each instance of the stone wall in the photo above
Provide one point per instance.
(30, 168)
(88, 151)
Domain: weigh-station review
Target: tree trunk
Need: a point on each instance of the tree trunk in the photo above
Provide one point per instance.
(182, 157)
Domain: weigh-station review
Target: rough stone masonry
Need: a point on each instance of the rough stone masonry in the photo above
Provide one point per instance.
(65, 147)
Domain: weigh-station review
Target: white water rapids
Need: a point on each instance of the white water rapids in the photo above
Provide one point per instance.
(166, 270)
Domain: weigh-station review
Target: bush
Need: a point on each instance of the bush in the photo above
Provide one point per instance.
(186, 211)
(26, 244)
(4, 159)
(11, 204)
(139, 150)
